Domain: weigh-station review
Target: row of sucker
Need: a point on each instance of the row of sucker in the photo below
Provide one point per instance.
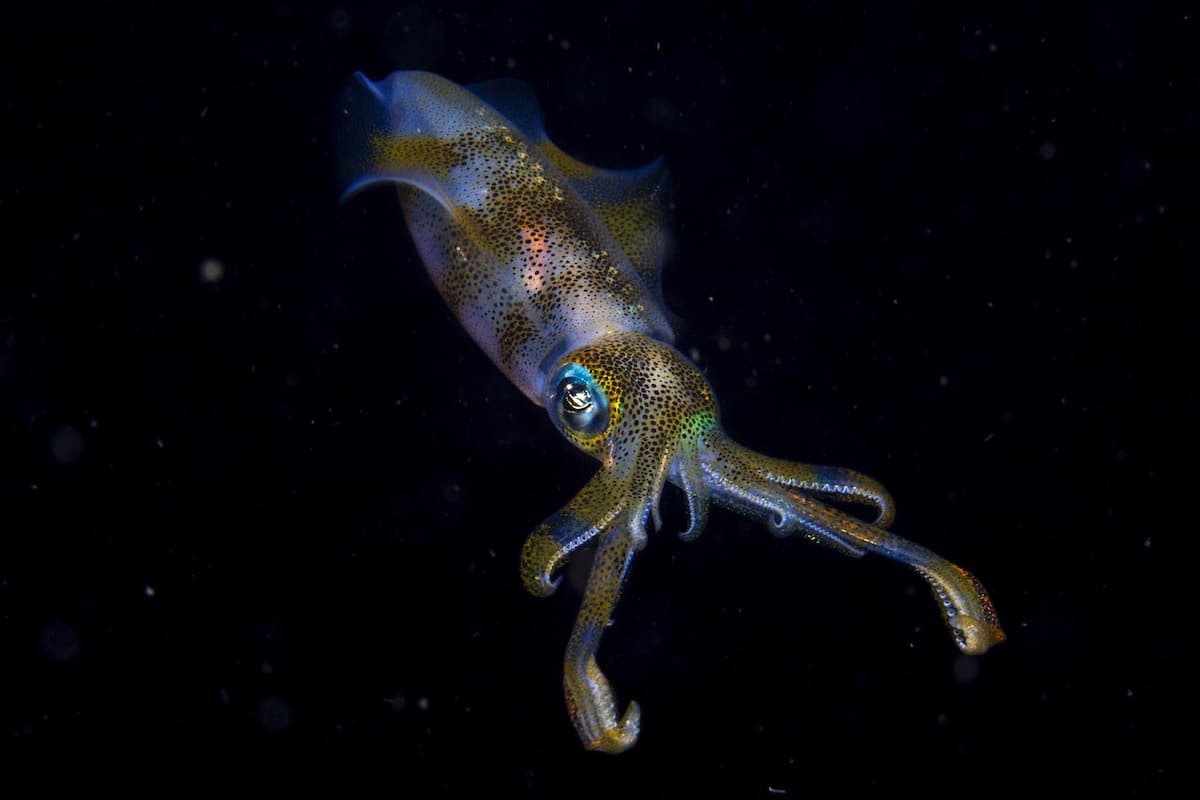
(965, 606)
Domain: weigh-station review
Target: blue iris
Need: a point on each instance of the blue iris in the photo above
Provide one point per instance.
(578, 405)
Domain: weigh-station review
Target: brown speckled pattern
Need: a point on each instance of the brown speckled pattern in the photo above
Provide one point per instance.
(540, 255)
(663, 423)
(633, 210)
(522, 261)
(653, 391)
(660, 405)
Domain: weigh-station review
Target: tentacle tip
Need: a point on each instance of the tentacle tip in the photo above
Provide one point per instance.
(974, 636)
(541, 584)
(694, 529)
(623, 735)
(781, 525)
(541, 557)
(885, 517)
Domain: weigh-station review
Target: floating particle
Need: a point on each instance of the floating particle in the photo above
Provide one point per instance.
(212, 270)
(274, 714)
(339, 20)
(66, 445)
(60, 642)
(966, 669)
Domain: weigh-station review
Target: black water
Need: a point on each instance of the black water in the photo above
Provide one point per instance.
(257, 486)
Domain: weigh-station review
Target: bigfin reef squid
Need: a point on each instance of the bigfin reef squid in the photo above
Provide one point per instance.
(554, 268)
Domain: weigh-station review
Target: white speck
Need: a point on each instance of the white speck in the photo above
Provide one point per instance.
(274, 714)
(965, 669)
(1146, 544)
(423, 703)
(66, 445)
(1047, 150)
(60, 641)
(159, 443)
(148, 590)
(212, 270)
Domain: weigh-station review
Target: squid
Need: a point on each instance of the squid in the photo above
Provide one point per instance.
(553, 266)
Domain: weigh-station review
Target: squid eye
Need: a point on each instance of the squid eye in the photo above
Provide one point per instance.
(579, 404)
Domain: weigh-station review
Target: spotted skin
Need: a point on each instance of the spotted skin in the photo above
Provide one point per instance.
(554, 267)
(523, 262)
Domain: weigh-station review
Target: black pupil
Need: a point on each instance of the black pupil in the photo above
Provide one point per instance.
(576, 397)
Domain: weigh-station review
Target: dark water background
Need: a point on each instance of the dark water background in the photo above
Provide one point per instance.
(256, 485)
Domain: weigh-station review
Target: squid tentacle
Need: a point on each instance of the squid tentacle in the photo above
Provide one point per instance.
(688, 475)
(966, 608)
(591, 512)
(823, 482)
(661, 471)
(618, 499)
(590, 699)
